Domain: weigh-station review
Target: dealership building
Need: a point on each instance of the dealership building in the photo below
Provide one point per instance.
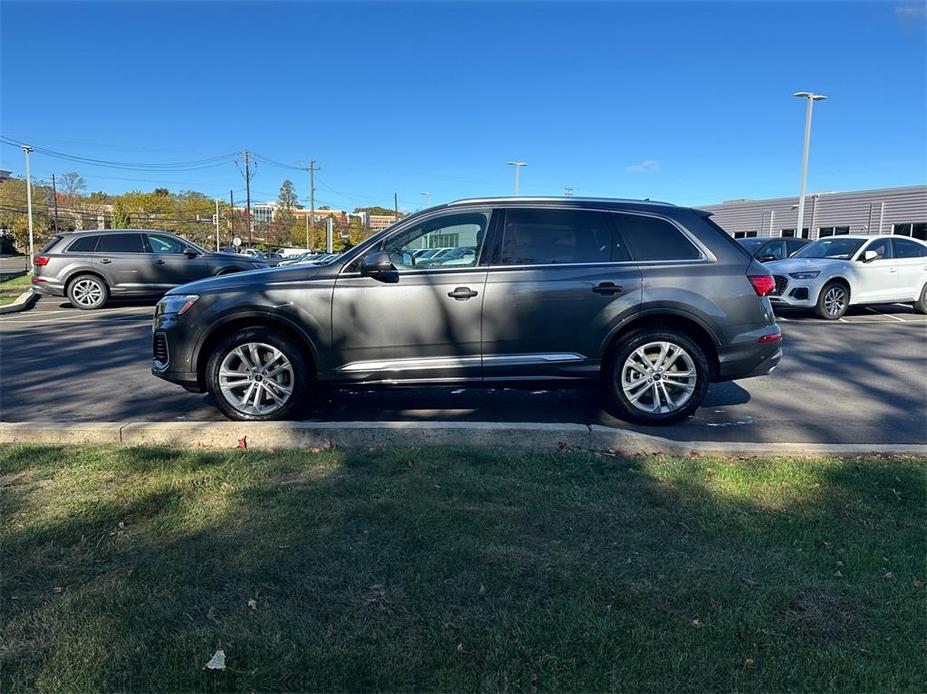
(881, 211)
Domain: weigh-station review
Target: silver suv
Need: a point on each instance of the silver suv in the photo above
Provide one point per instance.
(90, 266)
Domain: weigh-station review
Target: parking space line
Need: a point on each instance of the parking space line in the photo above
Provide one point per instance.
(879, 313)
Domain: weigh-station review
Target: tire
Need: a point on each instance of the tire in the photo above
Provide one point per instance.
(833, 301)
(627, 377)
(87, 292)
(921, 304)
(251, 353)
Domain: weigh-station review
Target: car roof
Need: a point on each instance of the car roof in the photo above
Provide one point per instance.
(84, 232)
(552, 200)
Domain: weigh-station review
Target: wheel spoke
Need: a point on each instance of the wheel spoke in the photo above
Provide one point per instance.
(648, 381)
(256, 378)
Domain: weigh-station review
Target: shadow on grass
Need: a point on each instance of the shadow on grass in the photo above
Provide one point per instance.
(459, 569)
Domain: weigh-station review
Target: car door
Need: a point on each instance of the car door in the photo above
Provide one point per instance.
(876, 280)
(124, 261)
(171, 265)
(421, 322)
(911, 264)
(560, 281)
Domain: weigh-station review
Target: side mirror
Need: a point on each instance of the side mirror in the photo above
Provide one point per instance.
(378, 266)
(869, 256)
(190, 253)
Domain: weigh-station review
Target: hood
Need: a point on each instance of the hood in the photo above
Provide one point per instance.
(252, 279)
(805, 265)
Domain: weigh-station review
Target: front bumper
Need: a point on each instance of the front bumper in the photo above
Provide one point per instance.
(795, 293)
(172, 356)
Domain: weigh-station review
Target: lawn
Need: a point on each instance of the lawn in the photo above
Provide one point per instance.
(453, 569)
(11, 289)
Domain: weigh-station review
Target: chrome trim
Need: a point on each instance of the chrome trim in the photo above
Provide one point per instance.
(553, 198)
(415, 363)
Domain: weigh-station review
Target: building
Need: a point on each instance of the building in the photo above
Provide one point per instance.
(880, 211)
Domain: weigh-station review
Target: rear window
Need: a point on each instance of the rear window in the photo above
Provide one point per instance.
(83, 244)
(48, 246)
(650, 238)
(548, 237)
(121, 243)
(908, 249)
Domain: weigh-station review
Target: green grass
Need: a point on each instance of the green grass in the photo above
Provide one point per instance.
(11, 289)
(400, 569)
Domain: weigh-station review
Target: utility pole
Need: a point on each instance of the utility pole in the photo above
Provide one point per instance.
(231, 215)
(247, 155)
(811, 97)
(517, 165)
(217, 225)
(26, 150)
(396, 204)
(311, 221)
(55, 198)
(568, 192)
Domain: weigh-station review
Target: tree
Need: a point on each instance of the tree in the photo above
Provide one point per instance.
(163, 192)
(72, 183)
(121, 218)
(287, 198)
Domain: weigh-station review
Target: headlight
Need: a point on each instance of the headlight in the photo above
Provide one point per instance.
(176, 303)
(804, 275)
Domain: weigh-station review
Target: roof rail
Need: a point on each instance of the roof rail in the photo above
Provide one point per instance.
(552, 198)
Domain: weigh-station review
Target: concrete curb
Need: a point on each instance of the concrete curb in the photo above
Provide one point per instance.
(23, 302)
(533, 436)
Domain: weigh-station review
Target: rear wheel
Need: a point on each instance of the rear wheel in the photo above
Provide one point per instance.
(257, 374)
(657, 376)
(833, 301)
(921, 304)
(87, 292)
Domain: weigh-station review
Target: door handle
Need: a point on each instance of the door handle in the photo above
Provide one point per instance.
(462, 293)
(106, 261)
(159, 261)
(608, 288)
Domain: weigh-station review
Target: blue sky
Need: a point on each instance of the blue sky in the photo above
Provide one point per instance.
(688, 102)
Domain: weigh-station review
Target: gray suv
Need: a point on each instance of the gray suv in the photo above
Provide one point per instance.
(90, 266)
(651, 300)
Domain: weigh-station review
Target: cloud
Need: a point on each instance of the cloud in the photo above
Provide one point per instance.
(646, 166)
(911, 15)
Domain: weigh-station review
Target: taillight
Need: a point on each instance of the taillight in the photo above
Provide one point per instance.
(762, 284)
(771, 337)
(41, 260)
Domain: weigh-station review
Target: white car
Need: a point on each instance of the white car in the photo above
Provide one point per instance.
(836, 272)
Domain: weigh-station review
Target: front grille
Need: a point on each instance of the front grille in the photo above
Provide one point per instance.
(159, 350)
(781, 283)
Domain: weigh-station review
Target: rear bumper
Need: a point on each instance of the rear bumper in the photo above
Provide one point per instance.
(46, 287)
(747, 356)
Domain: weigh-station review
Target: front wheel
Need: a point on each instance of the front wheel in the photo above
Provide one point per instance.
(921, 304)
(833, 301)
(657, 377)
(257, 374)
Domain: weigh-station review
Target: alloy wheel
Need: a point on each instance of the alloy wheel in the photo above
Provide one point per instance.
(256, 378)
(835, 301)
(87, 292)
(658, 377)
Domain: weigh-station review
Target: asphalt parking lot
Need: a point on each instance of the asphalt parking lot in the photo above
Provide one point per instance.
(857, 380)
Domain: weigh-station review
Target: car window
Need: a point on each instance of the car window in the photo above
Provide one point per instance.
(121, 243)
(837, 248)
(51, 243)
(547, 237)
(166, 244)
(794, 245)
(908, 249)
(650, 238)
(460, 235)
(83, 244)
(774, 250)
(882, 247)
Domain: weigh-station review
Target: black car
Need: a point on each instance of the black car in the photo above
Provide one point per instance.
(768, 249)
(88, 267)
(652, 300)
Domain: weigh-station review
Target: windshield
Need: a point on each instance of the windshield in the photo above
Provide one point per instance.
(751, 244)
(840, 249)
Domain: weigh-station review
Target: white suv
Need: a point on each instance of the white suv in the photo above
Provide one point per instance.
(836, 272)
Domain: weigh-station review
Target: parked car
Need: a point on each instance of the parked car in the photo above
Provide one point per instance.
(837, 272)
(768, 249)
(651, 300)
(271, 258)
(88, 267)
(290, 252)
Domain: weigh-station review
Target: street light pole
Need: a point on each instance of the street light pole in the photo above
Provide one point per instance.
(427, 196)
(517, 165)
(26, 150)
(811, 97)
